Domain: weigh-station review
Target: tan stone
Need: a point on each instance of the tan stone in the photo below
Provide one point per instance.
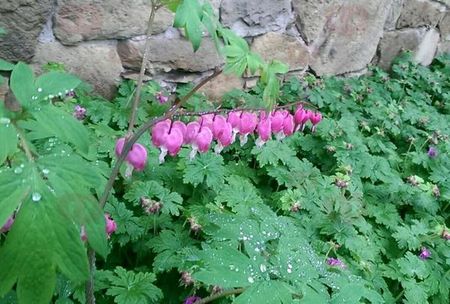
(282, 47)
(421, 41)
(350, 37)
(444, 27)
(95, 62)
(168, 54)
(222, 84)
(80, 20)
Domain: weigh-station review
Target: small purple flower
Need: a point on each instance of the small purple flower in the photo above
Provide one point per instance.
(79, 112)
(424, 253)
(192, 300)
(7, 225)
(335, 262)
(432, 152)
(70, 94)
(161, 98)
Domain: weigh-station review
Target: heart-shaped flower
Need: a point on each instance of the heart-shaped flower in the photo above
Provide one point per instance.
(301, 116)
(288, 124)
(222, 132)
(248, 124)
(263, 129)
(315, 118)
(111, 225)
(277, 120)
(159, 132)
(136, 158)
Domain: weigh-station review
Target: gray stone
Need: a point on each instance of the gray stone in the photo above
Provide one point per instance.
(251, 18)
(313, 15)
(220, 85)
(23, 20)
(80, 20)
(393, 14)
(427, 48)
(282, 47)
(167, 54)
(96, 62)
(417, 13)
(444, 27)
(350, 37)
(421, 41)
(443, 48)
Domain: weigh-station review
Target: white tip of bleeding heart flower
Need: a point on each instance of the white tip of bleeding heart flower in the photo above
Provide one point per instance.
(162, 155)
(243, 139)
(259, 142)
(193, 152)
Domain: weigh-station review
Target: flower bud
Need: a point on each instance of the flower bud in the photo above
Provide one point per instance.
(7, 225)
(111, 225)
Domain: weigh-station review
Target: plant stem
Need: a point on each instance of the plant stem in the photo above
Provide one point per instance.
(140, 80)
(24, 145)
(221, 295)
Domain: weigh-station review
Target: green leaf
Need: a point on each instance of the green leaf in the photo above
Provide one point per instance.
(6, 66)
(133, 288)
(205, 167)
(237, 192)
(273, 292)
(55, 84)
(22, 83)
(9, 141)
(189, 16)
(273, 152)
(51, 121)
(41, 241)
(171, 4)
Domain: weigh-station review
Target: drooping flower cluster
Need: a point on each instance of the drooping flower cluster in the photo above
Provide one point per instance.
(169, 136)
(110, 228)
(79, 112)
(192, 300)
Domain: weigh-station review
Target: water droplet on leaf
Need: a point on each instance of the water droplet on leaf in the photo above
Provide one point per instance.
(36, 196)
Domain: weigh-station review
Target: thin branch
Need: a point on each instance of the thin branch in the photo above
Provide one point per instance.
(219, 295)
(219, 110)
(140, 80)
(24, 144)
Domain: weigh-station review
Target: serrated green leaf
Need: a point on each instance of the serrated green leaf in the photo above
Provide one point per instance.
(133, 288)
(205, 167)
(273, 152)
(273, 292)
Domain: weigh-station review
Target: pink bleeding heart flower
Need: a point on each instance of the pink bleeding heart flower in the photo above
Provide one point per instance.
(263, 129)
(301, 116)
(204, 139)
(207, 120)
(159, 132)
(7, 225)
(161, 97)
(234, 118)
(277, 120)
(111, 225)
(248, 124)
(192, 130)
(315, 118)
(288, 124)
(222, 132)
(136, 158)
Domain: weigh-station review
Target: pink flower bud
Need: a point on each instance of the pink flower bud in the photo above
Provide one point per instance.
(248, 124)
(207, 120)
(234, 118)
(111, 225)
(7, 225)
(173, 141)
(79, 112)
(83, 234)
(161, 98)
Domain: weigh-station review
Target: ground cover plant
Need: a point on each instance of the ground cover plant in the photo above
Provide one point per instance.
(312, 190)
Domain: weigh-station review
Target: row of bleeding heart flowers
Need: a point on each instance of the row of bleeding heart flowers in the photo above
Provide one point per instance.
(170, 136)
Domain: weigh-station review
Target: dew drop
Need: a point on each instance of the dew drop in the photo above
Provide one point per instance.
(45, 171)
(18, 170)
(262, 267)
(251, 280)
(36, 196)
(39, 90)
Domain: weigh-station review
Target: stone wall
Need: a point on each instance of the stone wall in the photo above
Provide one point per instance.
(102, 41)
